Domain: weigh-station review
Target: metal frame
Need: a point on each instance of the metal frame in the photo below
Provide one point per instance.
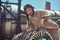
(18, 18)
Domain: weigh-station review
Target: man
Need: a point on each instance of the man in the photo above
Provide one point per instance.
(37, 19)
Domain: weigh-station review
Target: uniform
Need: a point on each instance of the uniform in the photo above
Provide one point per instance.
(37, 21)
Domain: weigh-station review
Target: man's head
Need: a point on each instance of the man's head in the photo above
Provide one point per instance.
(29, 9)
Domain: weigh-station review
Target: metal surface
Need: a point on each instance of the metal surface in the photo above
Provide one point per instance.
(54, 17)
(8, 11)
(18, 28)
(17, 19)
(35, 35)
(9, 3)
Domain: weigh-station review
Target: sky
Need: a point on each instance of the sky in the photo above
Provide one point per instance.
(38, 4)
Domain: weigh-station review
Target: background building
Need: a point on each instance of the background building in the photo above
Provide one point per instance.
(47, 6)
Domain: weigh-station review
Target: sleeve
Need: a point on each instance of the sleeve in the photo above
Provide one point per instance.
(45, 17)
(51, 24)
(41, 15)
(30, 25)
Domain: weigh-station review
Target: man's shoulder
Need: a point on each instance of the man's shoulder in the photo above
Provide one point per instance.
(37, 11)
(40, 12)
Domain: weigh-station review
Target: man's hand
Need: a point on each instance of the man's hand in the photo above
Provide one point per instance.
(45, 18)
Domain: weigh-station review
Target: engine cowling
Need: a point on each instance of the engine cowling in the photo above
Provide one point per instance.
(40, 34)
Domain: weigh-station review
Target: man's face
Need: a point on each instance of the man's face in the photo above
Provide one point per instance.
(29, 11)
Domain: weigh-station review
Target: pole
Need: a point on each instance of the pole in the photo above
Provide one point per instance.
(18, 27)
